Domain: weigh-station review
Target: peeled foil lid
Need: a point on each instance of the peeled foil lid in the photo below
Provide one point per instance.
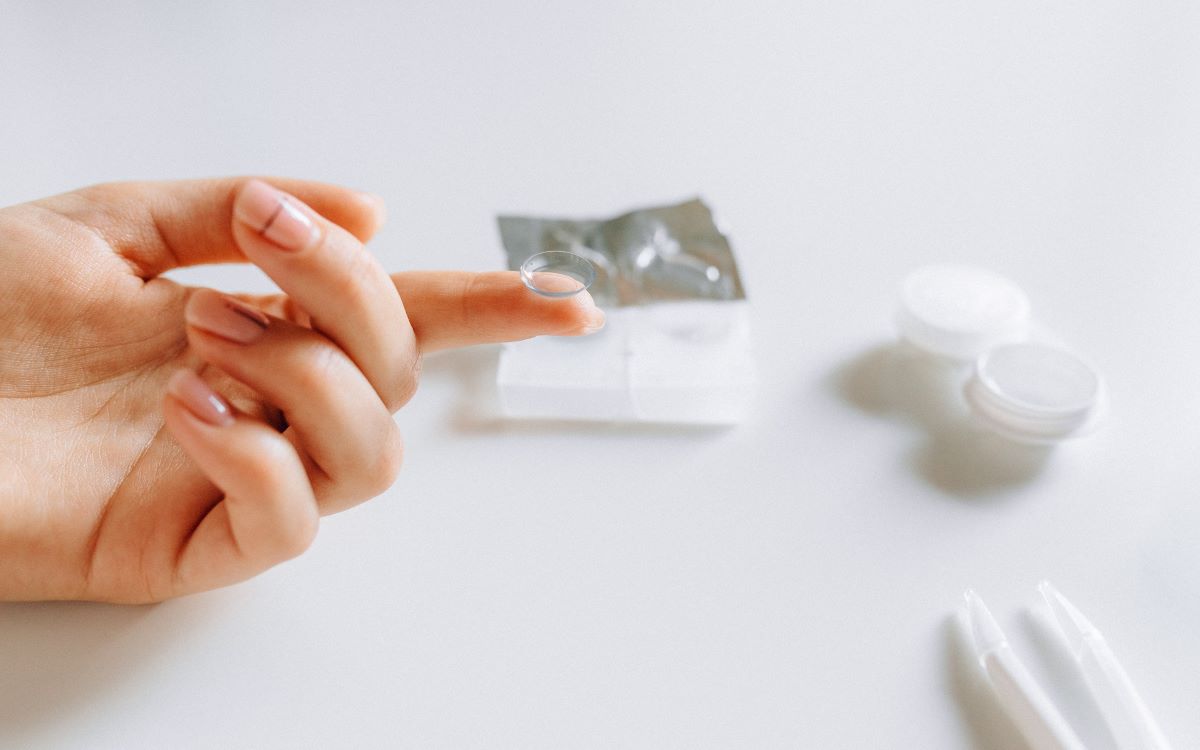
(659, 254)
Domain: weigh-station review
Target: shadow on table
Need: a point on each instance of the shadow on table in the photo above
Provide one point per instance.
(477, 406)
(896, 382)
(56, 657)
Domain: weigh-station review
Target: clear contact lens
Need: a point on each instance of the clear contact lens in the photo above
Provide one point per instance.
(557, 273)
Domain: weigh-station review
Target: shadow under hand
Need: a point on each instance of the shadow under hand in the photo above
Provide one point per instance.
(896, 381)
(988, 726)
(56, 657)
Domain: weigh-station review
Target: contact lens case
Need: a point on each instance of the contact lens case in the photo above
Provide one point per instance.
(1020, 381)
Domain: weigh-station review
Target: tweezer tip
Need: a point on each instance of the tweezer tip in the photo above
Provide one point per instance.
(1071, 622)
(984, 630)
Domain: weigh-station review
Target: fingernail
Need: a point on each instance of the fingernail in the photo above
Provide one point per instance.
(225, 317)
(594, 321)
(199, 399)
(276, 216)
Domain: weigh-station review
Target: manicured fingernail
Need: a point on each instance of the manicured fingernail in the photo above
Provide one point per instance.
(225, 317)
(595, 320)
(199, 399)
(276, 216)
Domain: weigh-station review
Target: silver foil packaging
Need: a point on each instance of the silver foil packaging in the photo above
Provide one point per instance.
(661, 254)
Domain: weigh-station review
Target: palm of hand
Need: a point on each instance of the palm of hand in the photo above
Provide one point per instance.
(104, 497)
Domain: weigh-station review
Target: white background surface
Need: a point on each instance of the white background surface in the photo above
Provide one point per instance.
(787, 583)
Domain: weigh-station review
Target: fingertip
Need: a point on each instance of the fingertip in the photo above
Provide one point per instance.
(198, 399)
(376, 210)
(199, 297)
(558, 303)
(188, 431)
(577, 315)
(593, 317)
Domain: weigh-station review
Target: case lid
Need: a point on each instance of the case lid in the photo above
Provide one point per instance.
(961, 311)
(1035, 393)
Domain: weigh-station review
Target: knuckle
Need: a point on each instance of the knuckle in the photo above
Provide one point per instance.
(380, 465)
(317, 367)
(392, 457)
(294, 529)
(468, 300)
(264, 468)
(295, 537)
(408, 380)
(385, 463)
(357, 281)
(103, 192)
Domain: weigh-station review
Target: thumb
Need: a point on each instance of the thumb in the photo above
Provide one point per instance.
(157, 226)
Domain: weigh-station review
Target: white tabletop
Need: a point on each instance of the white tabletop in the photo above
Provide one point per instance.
(786, 583)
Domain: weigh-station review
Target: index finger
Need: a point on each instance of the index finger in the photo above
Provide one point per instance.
(460, 308)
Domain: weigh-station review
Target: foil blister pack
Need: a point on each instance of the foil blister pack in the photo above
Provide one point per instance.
(676, 346)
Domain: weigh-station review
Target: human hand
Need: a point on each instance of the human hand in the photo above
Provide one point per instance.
(277, 408)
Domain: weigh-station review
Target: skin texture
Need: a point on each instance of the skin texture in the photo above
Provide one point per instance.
(117, 485)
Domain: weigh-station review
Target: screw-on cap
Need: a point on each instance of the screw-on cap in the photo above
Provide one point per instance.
(1035, 393)
(961, 311)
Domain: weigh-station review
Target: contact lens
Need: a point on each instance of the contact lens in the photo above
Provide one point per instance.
(557, 273)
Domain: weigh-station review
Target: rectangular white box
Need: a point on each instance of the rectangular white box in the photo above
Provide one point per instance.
(673, 362)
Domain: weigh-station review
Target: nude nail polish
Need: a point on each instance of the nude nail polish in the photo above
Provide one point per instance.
(199, 399)
(226, 317)
(276, 216)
